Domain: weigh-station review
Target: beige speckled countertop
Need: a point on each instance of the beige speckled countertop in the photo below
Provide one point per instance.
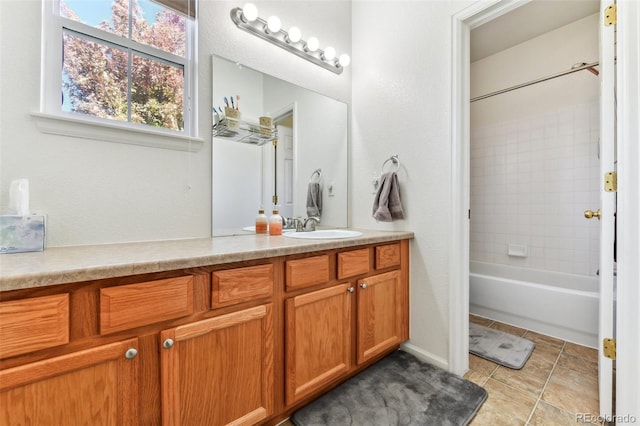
(60, 265)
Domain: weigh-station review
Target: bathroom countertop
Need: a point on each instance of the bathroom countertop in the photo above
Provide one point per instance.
(61, 265)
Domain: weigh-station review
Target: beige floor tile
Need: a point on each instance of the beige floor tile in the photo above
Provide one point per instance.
(494, 417)
(545, 352)
(548, 415)
(511, 329)
(504, 406)
(572, 391)
(480, 320)
(581, 351)
(481, 365)
(578, 364)
(541, 338)
(531, 378)
(475, 377)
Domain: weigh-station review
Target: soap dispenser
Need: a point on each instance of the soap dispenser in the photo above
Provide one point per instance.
(262, 222)
(275, 223)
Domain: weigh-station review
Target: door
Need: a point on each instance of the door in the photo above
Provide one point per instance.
(607, 207)
(379, 314)
(219, 371)
(285, 172)
(97, 386)
(318, 339)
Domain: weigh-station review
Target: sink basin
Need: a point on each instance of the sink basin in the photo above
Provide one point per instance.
(324, 234)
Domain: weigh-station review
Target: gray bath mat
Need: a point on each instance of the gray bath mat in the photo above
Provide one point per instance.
(499, 347)
(398, 390)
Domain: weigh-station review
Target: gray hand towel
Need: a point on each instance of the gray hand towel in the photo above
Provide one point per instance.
(386, 204)
(314, 199)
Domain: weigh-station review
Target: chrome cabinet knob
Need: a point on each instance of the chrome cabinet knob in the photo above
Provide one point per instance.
(363, 286)
(167, 344)
(131, 353)
(351, 289)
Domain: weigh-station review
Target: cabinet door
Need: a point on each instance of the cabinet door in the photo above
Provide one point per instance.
(379, 314)
(96, 386)
(318, 339)
(219, 371)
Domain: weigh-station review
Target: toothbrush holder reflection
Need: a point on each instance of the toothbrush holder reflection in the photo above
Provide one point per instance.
(233, 117)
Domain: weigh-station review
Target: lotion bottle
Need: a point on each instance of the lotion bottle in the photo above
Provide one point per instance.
(275, 223)
(262, 222)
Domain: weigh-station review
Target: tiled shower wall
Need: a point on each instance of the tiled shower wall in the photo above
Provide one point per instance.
(531, 181)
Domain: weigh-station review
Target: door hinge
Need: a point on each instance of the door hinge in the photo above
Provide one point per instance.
(609, 348)
(611, 15)
(611, 182)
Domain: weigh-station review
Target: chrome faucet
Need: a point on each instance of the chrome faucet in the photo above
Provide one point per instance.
(293, 223)
(314, 220)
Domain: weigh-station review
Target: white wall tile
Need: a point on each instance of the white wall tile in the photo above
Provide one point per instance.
(532, 179)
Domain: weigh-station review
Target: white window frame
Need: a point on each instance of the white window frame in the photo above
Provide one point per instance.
(51, 119)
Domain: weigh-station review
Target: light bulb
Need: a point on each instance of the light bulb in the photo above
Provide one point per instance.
(294, 34)
(250, 12)
(312, 44)
(329, 53)
(344, 60)
(274, 24)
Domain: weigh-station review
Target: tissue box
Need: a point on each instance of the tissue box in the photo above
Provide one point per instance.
(20, 234)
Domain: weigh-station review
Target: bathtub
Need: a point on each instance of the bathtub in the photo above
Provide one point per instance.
(552, 303)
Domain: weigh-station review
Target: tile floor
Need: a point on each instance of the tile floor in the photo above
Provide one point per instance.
(557, 385)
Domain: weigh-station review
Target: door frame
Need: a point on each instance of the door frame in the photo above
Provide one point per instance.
(628, 139)
(462, 23)
(628, 130)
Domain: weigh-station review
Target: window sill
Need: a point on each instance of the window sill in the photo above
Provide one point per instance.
(127, 134)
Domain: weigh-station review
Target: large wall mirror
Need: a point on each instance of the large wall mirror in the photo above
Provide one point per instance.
(311, 147)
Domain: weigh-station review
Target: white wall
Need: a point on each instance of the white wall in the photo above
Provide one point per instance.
(402, 105)
(534, 153)
(99, 192)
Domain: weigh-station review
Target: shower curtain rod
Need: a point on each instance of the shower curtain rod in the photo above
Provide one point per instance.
(540, 80)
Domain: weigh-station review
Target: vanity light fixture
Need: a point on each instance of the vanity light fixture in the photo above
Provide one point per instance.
(247, 19)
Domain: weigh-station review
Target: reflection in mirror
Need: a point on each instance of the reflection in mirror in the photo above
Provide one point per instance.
(249, 174)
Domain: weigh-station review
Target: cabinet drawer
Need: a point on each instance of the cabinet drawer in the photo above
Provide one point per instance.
(301, 273)
(354, 262)
(32, 324)
(242, 285)
(135, 305)
(387, 256)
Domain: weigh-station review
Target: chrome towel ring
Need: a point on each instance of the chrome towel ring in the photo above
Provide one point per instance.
(394, 160)
(316, 172)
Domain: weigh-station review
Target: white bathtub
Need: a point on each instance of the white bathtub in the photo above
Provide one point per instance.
(552, 303)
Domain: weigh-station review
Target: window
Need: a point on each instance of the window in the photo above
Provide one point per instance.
(120, 62)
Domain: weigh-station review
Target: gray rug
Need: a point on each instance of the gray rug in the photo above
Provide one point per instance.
(499, 347)
(398, 390)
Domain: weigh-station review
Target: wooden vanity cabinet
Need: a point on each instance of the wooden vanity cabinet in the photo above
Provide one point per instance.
(318, 337)
(236, 344)
(358, 316)
(219, 371)
(96, 386)
(379, 322)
